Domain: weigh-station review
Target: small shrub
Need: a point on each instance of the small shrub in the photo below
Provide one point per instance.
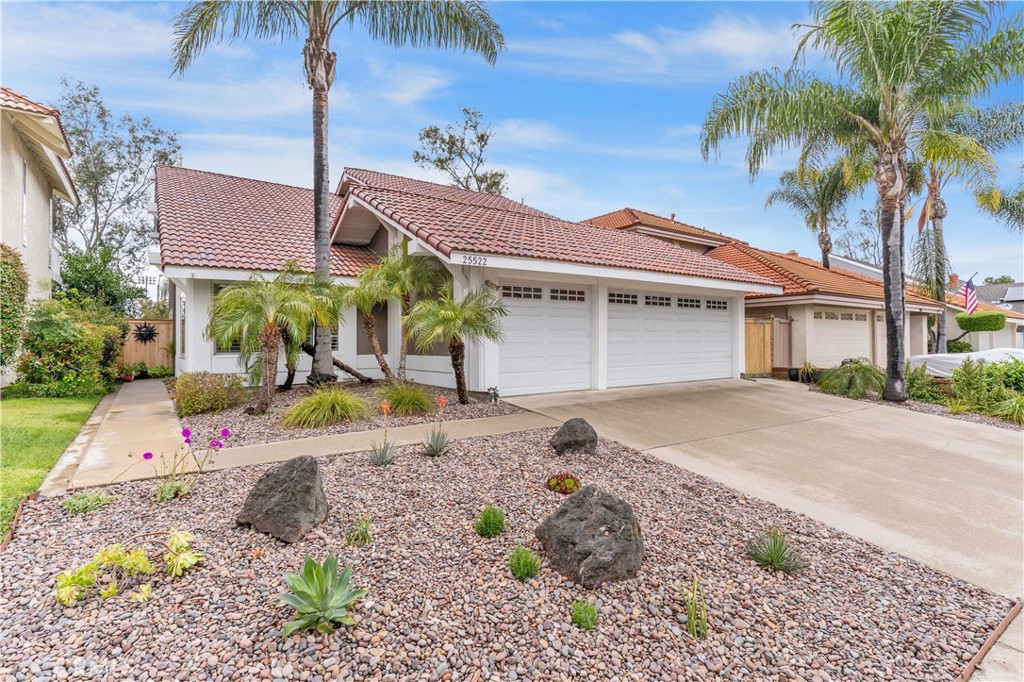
(959, 347)
(524, 563)
(436, 443)
(858, 379)
(565, 483)
(359, 535)
(957, 406)
(970, 385)
(86, 501)
(324, 407)
(160, 371)
(407, 399)
(774, 551)
(1008, 373)
(172, 488)
(199, 392)
(1010, 409)
(320, 596)
(491, 522)
(696, 610)
(584, 614)
(922, 386)
(13, 298)
(981, 321)
(382, 454)
(808, 372)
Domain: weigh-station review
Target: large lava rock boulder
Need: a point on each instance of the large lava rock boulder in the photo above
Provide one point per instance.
(288, 501)
(592, 538)
(575, 435)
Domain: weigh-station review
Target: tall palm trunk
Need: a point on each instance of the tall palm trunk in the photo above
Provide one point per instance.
(289, 365)
(403, 351)
(319, 64)
(370, 327)
(457, 349)
(890, 176)
(939, 213)
(269, 343)
(824, 243)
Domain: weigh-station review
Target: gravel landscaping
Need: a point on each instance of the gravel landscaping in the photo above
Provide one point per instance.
(247, 429)
(442, 604)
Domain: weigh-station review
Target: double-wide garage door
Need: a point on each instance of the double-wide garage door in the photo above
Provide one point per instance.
(651, 338)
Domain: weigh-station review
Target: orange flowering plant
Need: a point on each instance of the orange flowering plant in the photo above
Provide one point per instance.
(383, 454)
(437, 441)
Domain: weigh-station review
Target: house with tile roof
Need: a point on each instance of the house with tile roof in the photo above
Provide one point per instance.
(589, 308)
(828, 315)
(34, 175)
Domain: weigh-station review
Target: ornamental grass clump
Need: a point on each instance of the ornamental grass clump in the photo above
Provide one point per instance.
(565, 483)
(854, 379)
(1011, 409)
(325, 406)
(773, 551)
(584, 614)
(524, 563)
(407, 399)
(86, 501)
(320, 596)
(491, 522)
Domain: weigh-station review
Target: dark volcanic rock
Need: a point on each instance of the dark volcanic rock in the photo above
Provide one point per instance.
(288, 501)
(575, 435)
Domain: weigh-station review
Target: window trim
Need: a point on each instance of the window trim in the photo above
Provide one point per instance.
(518, 292)
(657, 301)
(716, 304)
(567, 295)
(623, 298)
(687, 303)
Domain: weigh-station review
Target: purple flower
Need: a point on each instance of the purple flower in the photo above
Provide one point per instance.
(188, 441)
(216, 444)
(186, 433)
(224, 433)
(147, 455)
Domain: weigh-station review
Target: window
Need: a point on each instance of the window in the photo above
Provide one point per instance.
(878, 318)
(861, 317)
(624, 299)
(568, 295)
(817, 315)
(689, 303)
(334, 338)
(658, 301)
(717, 305)
(517, 291)
(847, 317)
(831, 315)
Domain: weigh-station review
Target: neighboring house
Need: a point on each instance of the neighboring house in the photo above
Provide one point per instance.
(34, 148)
(1006, 296)
(1011, 336)
(832, 314)
(588, 309)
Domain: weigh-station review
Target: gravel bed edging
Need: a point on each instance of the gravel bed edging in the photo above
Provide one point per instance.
(9, 535)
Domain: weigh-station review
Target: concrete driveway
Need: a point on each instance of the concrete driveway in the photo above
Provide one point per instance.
(948, 493)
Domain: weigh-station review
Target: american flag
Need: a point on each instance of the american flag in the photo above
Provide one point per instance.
(970, 296)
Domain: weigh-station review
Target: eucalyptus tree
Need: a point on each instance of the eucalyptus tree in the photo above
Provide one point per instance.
(896, 62)
(465, 25)
(819, 196)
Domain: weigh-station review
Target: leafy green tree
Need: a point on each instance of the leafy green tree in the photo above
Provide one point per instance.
(897, 62)
(255, 313)
(112, 167)
(97, 275)
(13, 302)
(1001, 279)
(462, 25)
(819, 197)
(459, 151)
(475, 316)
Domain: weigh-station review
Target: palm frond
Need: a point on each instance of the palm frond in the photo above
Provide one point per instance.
(475, 316)
(203, 24)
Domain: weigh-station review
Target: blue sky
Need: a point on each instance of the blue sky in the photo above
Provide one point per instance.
(595, 106)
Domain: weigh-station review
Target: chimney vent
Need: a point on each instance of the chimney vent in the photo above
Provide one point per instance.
(672, 217)
(954, 281)
(792, 253)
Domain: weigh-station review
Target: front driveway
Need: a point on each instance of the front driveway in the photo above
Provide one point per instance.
(946, 492)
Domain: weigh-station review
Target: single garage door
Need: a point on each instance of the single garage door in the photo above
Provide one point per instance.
(841, 334)
(546, 339)
(657, 338)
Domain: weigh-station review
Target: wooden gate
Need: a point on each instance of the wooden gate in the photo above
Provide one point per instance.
(758, 331)
(155, 352)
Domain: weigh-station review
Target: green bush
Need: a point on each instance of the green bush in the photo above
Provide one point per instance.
(584, 614)
(774, 551)
(491, 522)
(85, 501)
(13, 298)
(857, 379)
(96, 274)
(160, 371)
(922, 386)
(1011, 409)
(981, 321)
(198, 392)
(407, 399)
(524, 563)
(1008, 373)
(325, 406)
(959, 347)
(970, 384)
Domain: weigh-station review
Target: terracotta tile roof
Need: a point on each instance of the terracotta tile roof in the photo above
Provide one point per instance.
(9, 99)
(803, 276)
(211, 220)
(456, 220)
(631, 217)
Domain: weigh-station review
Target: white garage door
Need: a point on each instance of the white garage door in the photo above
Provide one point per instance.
(841, 334)
(546, 344)
(657, 338)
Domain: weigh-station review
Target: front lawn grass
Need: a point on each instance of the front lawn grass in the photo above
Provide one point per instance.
(34, 432)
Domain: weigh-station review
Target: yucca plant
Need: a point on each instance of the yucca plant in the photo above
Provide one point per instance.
(1010, 409)
(857, 379)
(407, 399)
(436, 442)
(325, 406)
(320, 596)
(774, 551)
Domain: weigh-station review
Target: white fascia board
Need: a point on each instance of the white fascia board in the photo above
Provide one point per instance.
(837, 301)
(678, 236)
(67, 190)
(184, 272)
(401, 229)
(603, 272)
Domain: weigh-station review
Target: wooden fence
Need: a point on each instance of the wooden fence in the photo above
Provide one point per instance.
(758, 331)
(155, 352)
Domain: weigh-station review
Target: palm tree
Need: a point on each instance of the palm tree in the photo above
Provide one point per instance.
(256, 313)
(366, 295)
(444, 319)
(819, 196)
(1010, 207)
(400, 276)
(898, 61)
(465, 24)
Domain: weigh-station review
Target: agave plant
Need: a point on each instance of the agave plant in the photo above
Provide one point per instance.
(320, 596)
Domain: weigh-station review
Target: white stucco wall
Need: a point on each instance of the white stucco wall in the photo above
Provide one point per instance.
(1008, 337)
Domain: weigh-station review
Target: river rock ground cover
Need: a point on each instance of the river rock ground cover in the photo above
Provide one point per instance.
(247, 429)
(443, 605)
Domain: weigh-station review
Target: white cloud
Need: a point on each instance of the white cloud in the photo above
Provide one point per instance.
(519, 132)
(685, 130)
(405, 84)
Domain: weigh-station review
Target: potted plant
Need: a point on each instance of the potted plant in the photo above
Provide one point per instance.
(808, 373)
